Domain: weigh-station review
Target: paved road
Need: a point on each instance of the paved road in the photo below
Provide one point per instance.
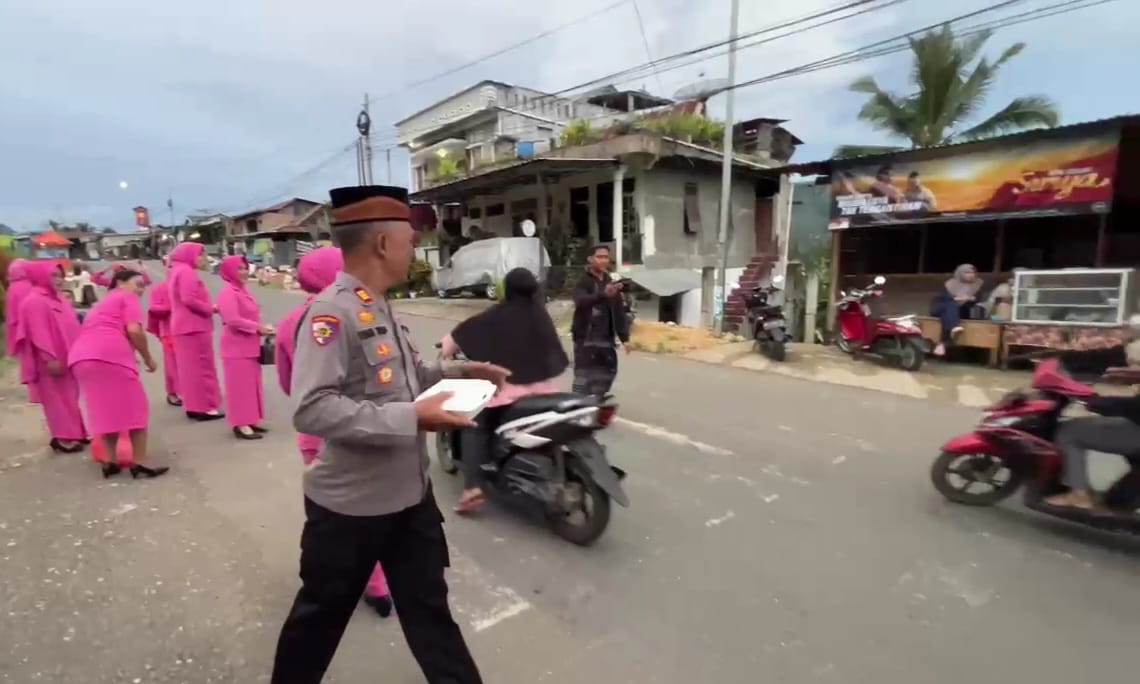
(781, 531)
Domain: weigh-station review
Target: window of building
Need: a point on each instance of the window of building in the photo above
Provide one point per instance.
(251, 225)
(474, 212)
(692, 217)
(496, 210)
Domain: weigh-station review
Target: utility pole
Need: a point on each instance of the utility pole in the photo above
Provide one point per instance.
(388, 160)
(364, 145)
(726, 172)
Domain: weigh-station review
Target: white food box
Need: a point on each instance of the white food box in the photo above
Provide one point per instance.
(468, 398)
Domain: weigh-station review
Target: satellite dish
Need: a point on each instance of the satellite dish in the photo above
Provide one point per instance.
(702, 89)
(528, 228)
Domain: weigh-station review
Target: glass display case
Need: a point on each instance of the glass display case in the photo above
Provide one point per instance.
(1073, 296)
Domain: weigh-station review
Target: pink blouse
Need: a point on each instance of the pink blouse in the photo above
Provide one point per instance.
(104, 333)
(509, 393)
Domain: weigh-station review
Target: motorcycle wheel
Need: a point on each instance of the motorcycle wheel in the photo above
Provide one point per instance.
(842, 343)
(584, 526)
(444, 453)
(974, 469)
(910, 357)
(776, 350)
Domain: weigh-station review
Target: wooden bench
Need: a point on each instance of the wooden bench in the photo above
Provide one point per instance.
(975, 333)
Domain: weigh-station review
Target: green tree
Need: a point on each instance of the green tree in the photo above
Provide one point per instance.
(951, 82)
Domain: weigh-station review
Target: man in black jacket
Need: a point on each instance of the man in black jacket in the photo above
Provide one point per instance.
(1114, 430)
(599, 317)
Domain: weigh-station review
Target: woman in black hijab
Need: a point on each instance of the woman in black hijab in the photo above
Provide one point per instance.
(517, 334)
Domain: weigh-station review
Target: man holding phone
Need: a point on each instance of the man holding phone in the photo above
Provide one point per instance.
(599, 317)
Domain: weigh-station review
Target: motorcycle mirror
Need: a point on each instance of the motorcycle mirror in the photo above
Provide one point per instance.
(776, 280)
(879, 280)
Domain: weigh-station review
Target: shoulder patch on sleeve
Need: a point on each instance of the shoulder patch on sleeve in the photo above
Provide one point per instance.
(324, 328)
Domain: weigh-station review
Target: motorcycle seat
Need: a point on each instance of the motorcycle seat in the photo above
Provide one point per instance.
(541, 403)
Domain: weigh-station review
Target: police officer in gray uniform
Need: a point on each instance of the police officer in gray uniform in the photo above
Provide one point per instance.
(368, 498)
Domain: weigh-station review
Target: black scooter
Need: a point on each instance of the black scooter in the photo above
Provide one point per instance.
(545, 449)
(767, 322)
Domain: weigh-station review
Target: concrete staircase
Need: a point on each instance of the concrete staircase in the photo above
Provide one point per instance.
(735, 309)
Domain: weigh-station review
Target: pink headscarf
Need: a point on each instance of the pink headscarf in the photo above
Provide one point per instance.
(318, 268)
(17, 271)
(39, 275)
(231, 270)
(187, 254)
(18, 287)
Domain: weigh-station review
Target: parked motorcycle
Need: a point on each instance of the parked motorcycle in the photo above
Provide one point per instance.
(545, 449)
(859, 332)
(767, 322)
(1014, 445)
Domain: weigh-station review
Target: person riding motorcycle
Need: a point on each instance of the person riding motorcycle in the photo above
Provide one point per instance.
(1115, 428)
(519, 335)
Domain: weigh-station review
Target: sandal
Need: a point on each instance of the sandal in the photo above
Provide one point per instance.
(470, 502)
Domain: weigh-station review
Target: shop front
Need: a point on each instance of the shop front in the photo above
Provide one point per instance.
(1053, 214)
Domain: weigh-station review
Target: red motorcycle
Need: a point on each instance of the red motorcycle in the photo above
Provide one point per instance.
(859, 332)
(1013, 445)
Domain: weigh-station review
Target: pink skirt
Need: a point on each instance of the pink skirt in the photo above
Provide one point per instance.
(114, 397)
(197, 374)
(245, 400)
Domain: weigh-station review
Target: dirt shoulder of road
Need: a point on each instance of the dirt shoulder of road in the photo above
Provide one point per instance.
(967, 385)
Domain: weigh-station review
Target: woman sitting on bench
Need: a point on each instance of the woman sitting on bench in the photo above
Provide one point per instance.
(957, 301)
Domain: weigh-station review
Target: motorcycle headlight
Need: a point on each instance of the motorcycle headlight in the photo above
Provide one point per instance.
(1000, 421)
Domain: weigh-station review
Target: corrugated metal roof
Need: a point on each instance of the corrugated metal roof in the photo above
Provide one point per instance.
(824, 165)
(664, 282)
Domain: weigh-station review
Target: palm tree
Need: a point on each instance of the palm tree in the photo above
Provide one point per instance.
(952, 83)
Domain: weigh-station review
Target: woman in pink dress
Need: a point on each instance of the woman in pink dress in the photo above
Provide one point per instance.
(158, 324)
(316, 271)
(18, 288)
(106, 277)
(241, 345)
(192, 329)
(532, 352)
(46, 328)
(103, 361)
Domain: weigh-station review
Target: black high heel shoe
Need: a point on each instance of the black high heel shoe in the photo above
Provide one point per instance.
(173, 400)
(111, 469)
(138, 471)
(203, 417)
(380, 604)
(259, 429)
(58, 447)
(252, 435)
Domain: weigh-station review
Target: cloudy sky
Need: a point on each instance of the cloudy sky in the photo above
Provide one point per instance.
(231, 104)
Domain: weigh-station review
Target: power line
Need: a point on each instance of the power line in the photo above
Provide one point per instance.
(284, 189)
(645, 42)
(901, 43)
(502, 51)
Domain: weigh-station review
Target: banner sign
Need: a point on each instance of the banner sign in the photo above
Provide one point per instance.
(1066, 176)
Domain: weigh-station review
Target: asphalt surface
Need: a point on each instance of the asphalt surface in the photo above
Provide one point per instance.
(780, 531)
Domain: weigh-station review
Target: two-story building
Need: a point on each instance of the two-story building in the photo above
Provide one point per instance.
(284, 231)
(654, 198)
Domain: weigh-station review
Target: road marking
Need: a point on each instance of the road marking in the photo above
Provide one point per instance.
(676, 438)
(506, 611)
(713, 522)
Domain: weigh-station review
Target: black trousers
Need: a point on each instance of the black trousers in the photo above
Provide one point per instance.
(594, 369)
(476, 443)
(337, 556)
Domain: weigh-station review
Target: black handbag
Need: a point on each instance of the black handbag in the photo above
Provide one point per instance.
(268, 355)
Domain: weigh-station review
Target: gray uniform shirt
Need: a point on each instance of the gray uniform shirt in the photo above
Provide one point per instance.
(356, 375)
